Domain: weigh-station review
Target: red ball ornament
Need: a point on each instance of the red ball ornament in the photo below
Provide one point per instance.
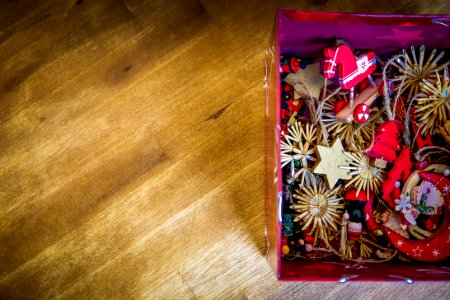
(361, 113)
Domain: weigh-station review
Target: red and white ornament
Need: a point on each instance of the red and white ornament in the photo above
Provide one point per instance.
(361, 113)
(352, 70)
(437, 246)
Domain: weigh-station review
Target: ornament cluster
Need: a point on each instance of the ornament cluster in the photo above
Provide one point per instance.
(365, 155)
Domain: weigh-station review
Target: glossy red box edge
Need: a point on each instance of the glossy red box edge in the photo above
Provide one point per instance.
(315, 270)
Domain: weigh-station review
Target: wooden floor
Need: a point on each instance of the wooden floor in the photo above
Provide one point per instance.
(132, 151)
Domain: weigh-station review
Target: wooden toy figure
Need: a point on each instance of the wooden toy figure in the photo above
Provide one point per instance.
(290, 64)
(355, 215)
(351, 70)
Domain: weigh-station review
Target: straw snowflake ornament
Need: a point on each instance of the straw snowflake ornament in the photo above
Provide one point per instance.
(320, 209)
(366, 177)
(356, 136)
(433, 108)
(414, 69)
(297, 150)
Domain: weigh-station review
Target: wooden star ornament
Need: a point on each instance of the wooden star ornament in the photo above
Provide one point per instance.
(308, 81)
(331, 160)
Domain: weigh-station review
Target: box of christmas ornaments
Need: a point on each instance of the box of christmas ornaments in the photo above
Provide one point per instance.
(357, 147)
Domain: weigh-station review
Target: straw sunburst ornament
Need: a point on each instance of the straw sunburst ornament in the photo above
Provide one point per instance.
(356, 136)
(414, 69)
(365, 176)
(433, 108)
(297, 150)
(320, 209)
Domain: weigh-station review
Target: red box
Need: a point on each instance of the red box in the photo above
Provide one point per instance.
(306, 34)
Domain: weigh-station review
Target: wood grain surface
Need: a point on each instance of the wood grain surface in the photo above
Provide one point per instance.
(132, 151)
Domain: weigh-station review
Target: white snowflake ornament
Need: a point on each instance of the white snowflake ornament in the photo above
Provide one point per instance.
(403, 204)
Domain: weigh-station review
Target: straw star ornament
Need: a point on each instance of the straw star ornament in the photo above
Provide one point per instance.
(297, 151)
